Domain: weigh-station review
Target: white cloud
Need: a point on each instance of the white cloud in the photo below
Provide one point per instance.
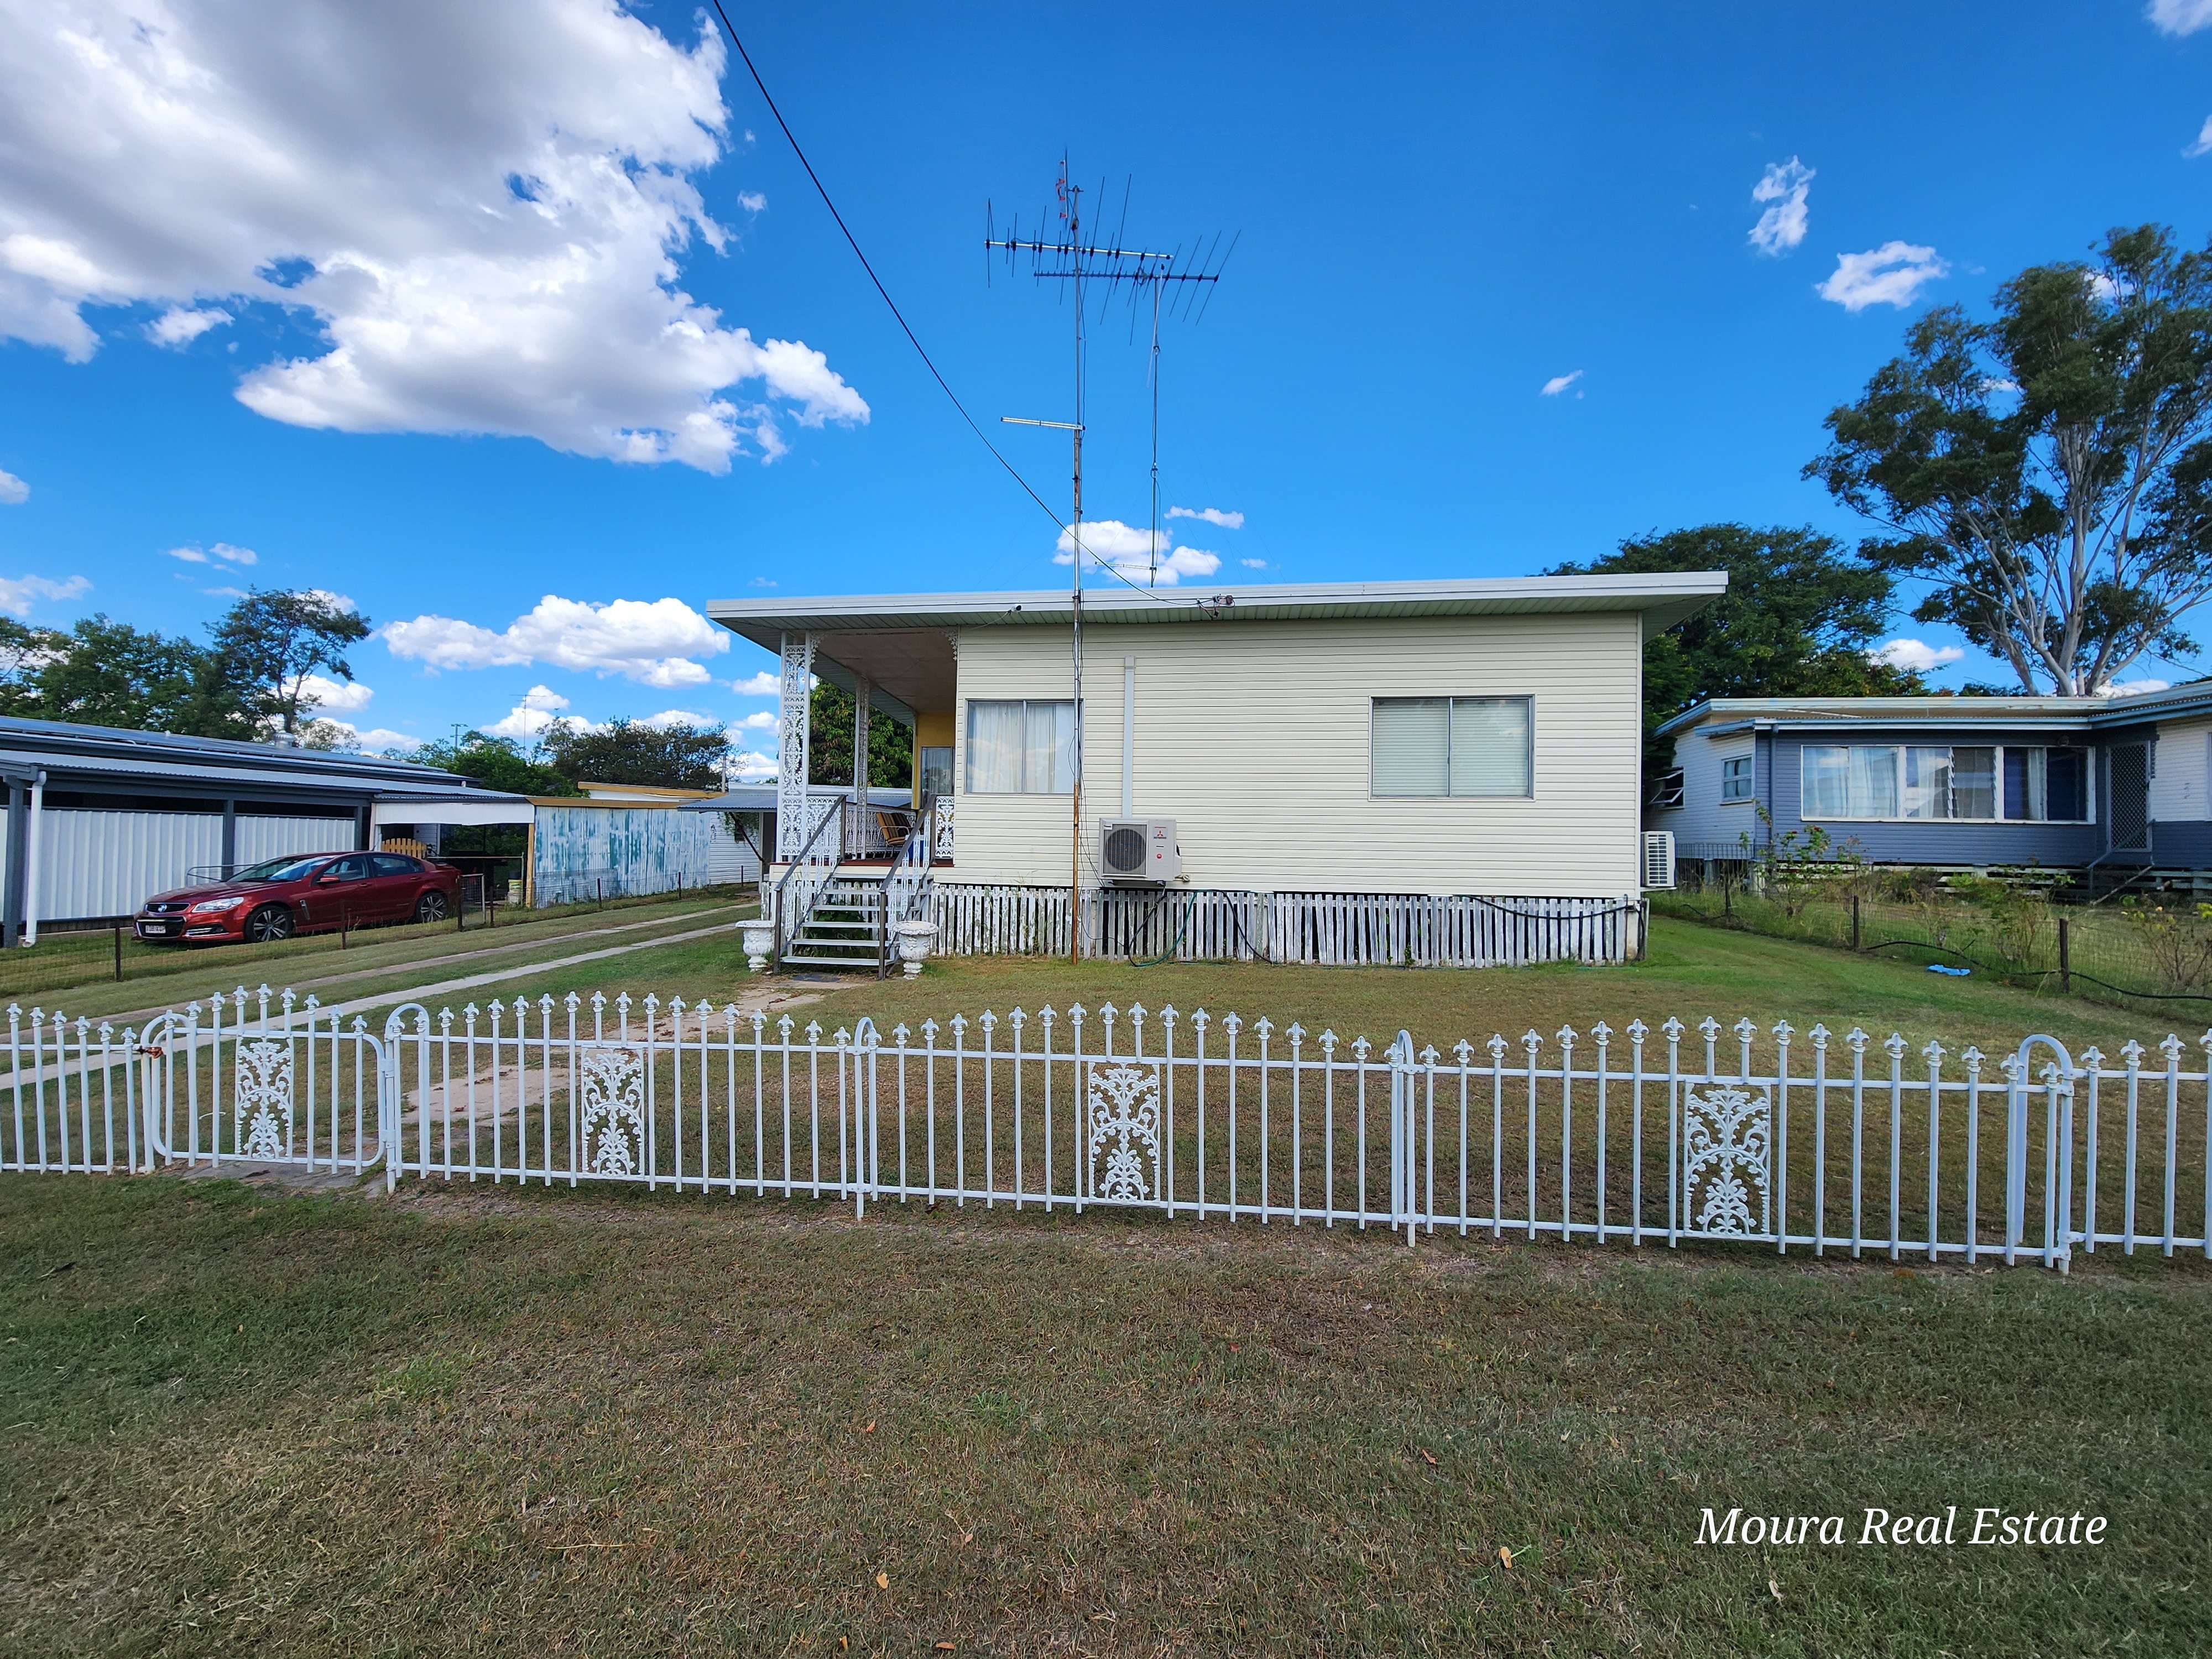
(19, 593)
(13, 490)
(539, 710)
(336, 601)
(1892, 274)
(762, 684)
(1253, 564)
(482, 211)
(377, 740)
(1131, 550)
(1212, 515)
(652, 642)
(2178, 16)
(222, 551)
(2135, 688)
(760, 721)
(2203, 141)
(752, 201)
(1560, 383)
(1784, 187)
(1915, 654)
(179, 325)
(668, 717)
(750, 766)
(344, 695)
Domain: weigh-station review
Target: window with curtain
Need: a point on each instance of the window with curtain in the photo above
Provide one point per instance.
(1021, 748)
(1452, 746)
(1881, 781)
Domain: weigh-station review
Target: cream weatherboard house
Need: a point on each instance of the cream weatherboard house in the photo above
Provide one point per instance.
(1420, 771)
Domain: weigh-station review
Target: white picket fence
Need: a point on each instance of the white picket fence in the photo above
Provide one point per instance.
(1322, 929)
(1822, 1143)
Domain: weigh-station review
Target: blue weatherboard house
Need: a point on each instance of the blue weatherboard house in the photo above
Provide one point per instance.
(2114, 787)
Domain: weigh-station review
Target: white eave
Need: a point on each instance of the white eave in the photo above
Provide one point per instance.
(1662, 598)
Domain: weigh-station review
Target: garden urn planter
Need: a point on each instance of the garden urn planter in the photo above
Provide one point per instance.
(914, 940)
(760, 942)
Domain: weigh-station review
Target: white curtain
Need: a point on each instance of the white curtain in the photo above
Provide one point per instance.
(1048, 749)
(1825, 789)
(994, 748)
(1873, 783)
(1928, 783)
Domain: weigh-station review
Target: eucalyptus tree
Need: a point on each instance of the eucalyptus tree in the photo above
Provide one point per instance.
(2047, 472)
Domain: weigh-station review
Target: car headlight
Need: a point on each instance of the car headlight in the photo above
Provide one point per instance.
(210, 907)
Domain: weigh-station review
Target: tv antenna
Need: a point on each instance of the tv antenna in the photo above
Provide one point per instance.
(1172, 279)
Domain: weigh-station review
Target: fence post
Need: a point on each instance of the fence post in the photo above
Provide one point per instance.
(1728, 897)
(1401, 1148)
(2065, 960)
(118, 955)
(1854, 922)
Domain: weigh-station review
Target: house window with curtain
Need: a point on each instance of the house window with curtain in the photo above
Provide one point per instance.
(1436, 746)
(1019, 747)
(1909, 782)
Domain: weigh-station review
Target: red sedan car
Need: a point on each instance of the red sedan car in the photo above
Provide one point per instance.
(301, 894)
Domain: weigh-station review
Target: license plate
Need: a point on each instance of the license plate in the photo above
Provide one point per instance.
(154, 928)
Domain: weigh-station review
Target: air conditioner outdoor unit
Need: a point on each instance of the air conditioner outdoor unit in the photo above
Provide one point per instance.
(1138, 852)
(1658, 859)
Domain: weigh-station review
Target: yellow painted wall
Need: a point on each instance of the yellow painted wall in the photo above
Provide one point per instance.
(930, 731)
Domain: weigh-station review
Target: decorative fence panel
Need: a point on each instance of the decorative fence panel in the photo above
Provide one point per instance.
(1770, 1139)
(1324, 929)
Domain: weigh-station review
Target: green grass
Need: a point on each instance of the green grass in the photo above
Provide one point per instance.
(376, 960)
(1691, 972)
(469, 1422)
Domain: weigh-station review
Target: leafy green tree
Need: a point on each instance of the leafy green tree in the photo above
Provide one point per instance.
(829, 745)
(270, 642)
(108, 673)
(658, 756)
(2048, 472)
(1798, 618)
(495, 763)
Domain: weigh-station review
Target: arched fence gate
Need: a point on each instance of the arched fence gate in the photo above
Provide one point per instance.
(1761, 1138)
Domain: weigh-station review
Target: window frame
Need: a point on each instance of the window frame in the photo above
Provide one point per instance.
(1748, 777)
(1998, 752)
(965, 755)
(1450, 699)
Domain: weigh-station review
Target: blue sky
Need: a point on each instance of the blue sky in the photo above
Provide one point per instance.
(455, 377)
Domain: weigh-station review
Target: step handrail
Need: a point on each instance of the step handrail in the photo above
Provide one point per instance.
(907, 887)
(802, 868)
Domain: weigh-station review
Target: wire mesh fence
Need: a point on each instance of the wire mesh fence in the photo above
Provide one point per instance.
(2132, 950)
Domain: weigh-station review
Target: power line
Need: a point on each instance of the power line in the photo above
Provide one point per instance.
(853, 242)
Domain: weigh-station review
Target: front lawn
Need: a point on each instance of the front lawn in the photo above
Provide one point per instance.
(476, 1422)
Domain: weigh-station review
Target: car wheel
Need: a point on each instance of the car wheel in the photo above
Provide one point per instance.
(431, 907)
(268, 924)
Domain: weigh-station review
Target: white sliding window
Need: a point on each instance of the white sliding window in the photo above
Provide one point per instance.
(1880, 780)
(1452, 746)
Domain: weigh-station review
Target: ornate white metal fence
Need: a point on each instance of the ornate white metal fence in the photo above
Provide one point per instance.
(1821, 1142)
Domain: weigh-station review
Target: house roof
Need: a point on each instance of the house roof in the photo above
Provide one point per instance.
(902, 641)
(2062, 713)
(1666, 597)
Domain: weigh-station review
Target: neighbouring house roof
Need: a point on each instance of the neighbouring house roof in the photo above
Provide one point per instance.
(1813, 714)
(221, 764)
(761, 798)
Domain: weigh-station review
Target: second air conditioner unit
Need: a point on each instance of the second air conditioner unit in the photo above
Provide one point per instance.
(1138, 852)
(1658, 859)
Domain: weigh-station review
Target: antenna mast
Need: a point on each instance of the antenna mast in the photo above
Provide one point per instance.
(1076, 264)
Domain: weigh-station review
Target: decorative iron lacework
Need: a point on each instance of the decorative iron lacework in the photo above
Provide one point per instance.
(614, 1111)
(1727, 1135)
(1124, 1101)
(263, 1126)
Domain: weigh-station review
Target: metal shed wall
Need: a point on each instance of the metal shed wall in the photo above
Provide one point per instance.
(106, 864)
(260, 838)
(628, 850)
